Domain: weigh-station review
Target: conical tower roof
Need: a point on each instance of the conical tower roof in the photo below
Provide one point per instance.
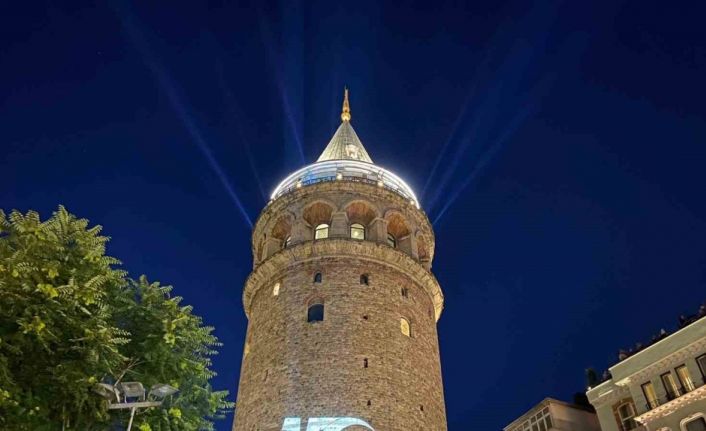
(345, 144)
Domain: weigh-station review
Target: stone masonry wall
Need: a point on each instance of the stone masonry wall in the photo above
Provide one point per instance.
(293, 368)
(296, 368)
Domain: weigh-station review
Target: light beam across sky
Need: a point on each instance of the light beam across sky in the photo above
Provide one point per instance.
(181, 110)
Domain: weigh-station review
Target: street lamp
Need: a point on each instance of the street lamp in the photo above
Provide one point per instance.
(131, 395)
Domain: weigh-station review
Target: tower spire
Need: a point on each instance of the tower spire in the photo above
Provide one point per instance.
(346, 112)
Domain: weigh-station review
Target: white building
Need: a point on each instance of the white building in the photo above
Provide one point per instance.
(551, 414)
(659, 388)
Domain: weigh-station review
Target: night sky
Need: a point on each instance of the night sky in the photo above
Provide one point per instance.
(558, 147)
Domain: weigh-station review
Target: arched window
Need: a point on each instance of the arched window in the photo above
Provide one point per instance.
(275, 289)
(391, 241)
(318, 277)
(364, 279)
(626, 413)
(357, 231)
(315, 312)
(405, 327)
(696, 422)
(321, 231)
(286, 242)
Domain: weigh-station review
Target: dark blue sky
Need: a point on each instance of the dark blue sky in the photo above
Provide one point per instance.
(559, 148)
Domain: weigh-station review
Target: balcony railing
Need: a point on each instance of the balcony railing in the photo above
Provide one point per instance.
(348, 170)
(672, 396)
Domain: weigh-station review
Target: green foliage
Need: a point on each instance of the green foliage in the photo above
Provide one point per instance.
(69, 319)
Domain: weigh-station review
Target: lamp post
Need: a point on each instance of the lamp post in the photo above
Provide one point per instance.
(131, 395)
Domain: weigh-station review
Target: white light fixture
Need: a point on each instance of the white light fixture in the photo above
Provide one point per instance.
(162, 390)
(132, 390)
(107, 391)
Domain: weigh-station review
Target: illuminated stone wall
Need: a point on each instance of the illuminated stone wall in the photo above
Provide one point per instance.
(293, 368)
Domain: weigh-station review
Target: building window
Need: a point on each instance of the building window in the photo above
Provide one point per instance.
(365, 363)
(315, 313)
(321, 231)
(357, 231)
(364, 279)
(698, 424)
(701, 360)
(405, 292)
(391, 241)
(405, 327)
(317, 277)
(626, 414)
(541, 421)
(275, 290)
(685, 378)
(287, 242)
(670, 385)
(648, 390)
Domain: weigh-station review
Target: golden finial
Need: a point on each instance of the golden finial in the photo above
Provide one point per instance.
(346, 113)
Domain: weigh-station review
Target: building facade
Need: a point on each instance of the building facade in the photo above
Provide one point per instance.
(341, 303)
(551, 414)
(659, 388)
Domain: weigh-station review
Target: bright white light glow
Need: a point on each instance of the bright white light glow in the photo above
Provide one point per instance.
(354, 170)
(324, 424)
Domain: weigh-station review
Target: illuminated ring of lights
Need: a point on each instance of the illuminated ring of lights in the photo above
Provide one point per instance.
(330, 169)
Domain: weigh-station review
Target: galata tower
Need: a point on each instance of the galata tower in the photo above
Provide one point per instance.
(341, 302)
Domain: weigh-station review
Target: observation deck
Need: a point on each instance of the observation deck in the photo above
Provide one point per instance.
(345, 170)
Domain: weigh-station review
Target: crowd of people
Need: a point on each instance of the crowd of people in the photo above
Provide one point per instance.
(623, 354)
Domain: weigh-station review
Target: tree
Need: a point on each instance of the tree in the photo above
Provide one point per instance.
(70, 319)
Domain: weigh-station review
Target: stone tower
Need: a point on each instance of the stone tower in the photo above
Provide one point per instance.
(341, 302)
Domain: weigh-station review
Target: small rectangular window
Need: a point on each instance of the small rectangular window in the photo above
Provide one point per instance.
(648, 390)
(321, 231)
(357, 231)
(701, 360)
(685, 378)
(626, 413)
(698, 424)
(670, 385)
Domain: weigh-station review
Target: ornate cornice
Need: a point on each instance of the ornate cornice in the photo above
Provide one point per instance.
(669, 361)
(609, 395)
(370, 251)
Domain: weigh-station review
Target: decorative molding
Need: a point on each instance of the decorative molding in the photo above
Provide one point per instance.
(617, 393)
(382, 254)
(672, 406)
(668, 362)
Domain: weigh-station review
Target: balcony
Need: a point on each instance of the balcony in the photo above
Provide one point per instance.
(345, 170)
(681, 391)
(672, 402)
